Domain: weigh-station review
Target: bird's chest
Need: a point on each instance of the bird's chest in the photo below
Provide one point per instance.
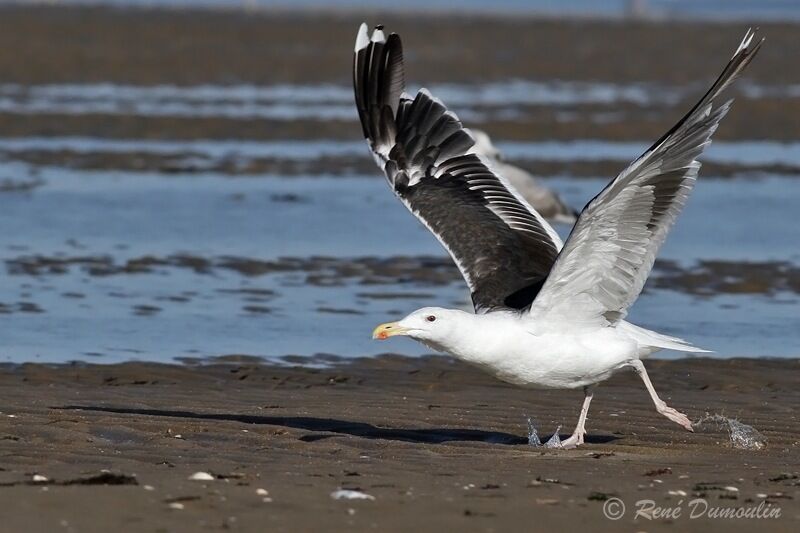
(547, 361)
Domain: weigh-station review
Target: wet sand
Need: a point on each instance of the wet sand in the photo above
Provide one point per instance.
(707, 277)
(322, 165)
(93, 45)
(437, 445)
(274, 46)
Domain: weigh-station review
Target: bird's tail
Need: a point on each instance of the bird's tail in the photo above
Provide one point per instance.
(651, 342)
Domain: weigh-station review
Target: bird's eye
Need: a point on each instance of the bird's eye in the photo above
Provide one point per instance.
(430, 318)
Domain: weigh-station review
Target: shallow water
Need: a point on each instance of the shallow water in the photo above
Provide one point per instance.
(205, 153)
(286, 247)
(109, 266)
(513, 99)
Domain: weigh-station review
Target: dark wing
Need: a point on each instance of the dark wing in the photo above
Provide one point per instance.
(610, 252)
(502, 246)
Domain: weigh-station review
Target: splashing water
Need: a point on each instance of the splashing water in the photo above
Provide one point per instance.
(554, 441)
(535, 441)
(533, 435)
(742, 436)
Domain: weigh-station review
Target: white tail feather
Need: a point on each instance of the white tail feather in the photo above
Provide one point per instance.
(650, 341)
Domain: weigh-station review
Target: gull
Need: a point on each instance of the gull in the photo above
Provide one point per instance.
(547, 314)
(545, 201)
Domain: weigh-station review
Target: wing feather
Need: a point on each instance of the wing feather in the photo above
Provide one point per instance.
(502, 246)
(608, 256)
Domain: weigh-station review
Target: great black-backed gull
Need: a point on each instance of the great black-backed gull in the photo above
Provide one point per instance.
(545, 201)
(547, 314)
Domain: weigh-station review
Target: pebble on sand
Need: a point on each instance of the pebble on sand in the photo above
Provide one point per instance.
(201, 476)
(348, 494)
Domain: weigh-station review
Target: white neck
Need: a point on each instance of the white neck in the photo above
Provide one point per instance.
(476, 338)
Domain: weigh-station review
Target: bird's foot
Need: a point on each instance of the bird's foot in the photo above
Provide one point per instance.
(676, 416)
(575, 440)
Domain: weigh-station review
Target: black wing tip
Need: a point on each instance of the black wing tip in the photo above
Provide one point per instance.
(750, 46)
(378, 83)
(741, 58)
(747, 47)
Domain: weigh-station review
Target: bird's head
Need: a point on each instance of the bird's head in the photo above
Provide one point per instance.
(430, 325)
(483, 145)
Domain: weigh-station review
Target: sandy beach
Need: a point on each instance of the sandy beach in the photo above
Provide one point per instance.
(434, 443)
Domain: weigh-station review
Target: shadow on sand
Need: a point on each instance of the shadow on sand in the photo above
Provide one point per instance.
(331, 425)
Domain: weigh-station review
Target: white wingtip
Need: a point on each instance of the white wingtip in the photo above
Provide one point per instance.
(377, 35)
(746, 40)
(362, 40)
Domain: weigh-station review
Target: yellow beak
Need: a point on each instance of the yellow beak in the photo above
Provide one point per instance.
(390, 329)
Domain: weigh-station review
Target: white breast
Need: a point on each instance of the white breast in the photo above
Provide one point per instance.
(503, 346)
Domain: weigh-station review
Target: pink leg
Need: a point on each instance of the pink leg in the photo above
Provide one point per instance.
(661, 406)
(577, 436)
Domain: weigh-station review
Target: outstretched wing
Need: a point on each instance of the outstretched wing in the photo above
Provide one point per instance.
(502, 246)
(610, 252)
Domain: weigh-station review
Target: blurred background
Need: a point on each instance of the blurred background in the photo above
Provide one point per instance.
(184, 180)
